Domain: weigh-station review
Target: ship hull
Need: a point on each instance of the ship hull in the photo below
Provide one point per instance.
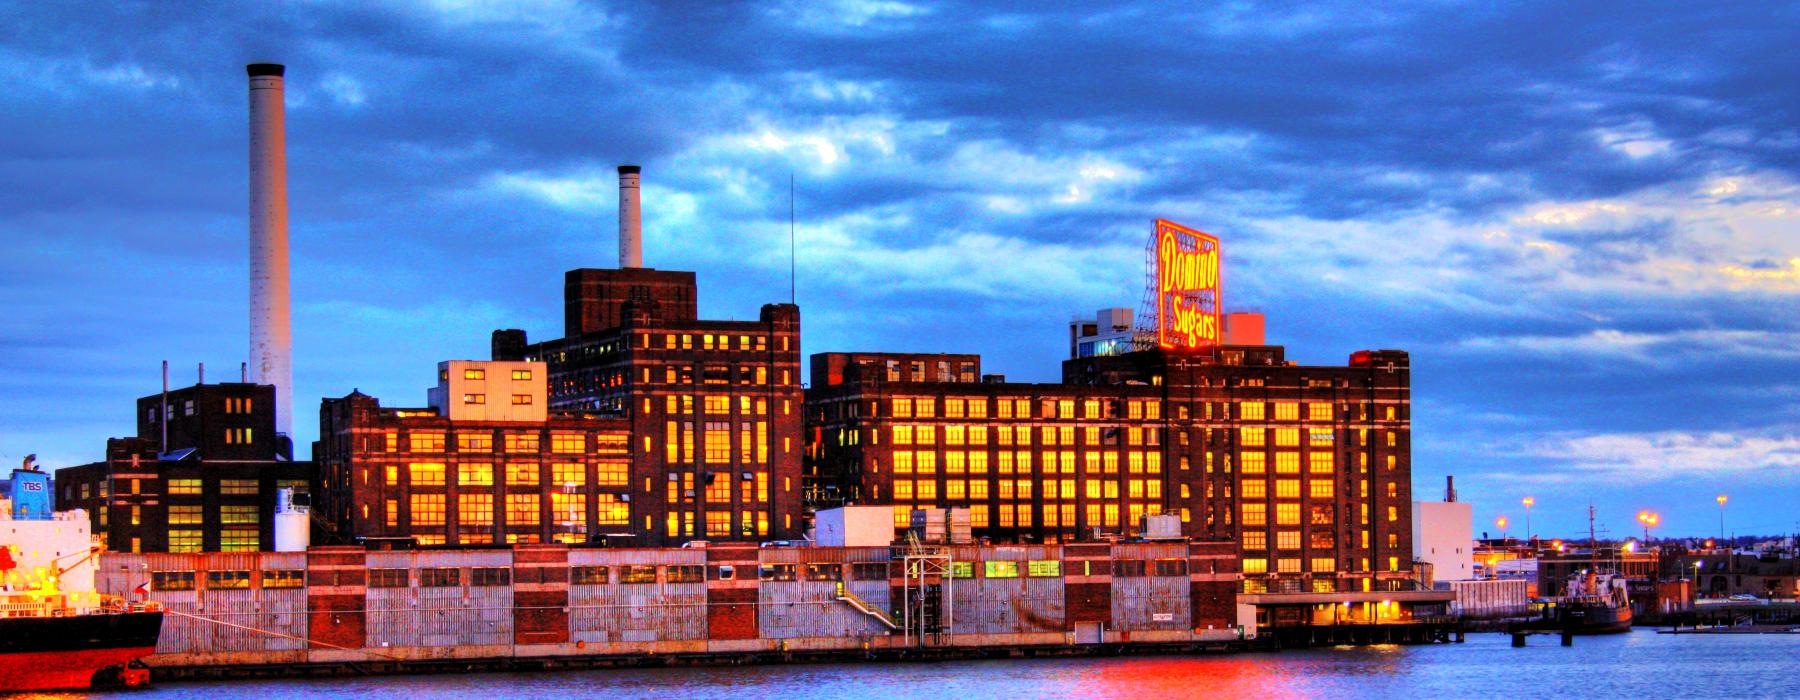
(61, 653)
(1596, 619)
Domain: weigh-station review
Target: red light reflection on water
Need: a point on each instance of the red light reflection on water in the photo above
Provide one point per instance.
(1289, 675)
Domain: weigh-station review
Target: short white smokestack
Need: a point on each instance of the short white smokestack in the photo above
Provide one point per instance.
(271, 332)
(631, 219)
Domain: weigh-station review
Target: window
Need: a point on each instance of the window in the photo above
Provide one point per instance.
(440, 577)
(1129, 567)
(428, 509)
(185, 540)
(235, 487)
(522, 509)
(426, 473)
(220, 580)
(1043, 568)
(1286, 514)
(521, 442)
(521, 399)
(588, 575)
(1255, 513)
(474, 442)
(1169, 567)
(1252, 437)
(1287, 488)
(490, 576)
(1287, 539)
(1319, 462)
(425, 442)
(612, 510)
(569, 443)
(477, 374)
(869, 571)
(1318, 411)
(521, 375)
(611, 473)
(522, 474)
(185, 515)
(902, 408)
(477, 399)
(686, 574)
(1000, 569)
(1320, 488)
(824, 572)
(283, 578)
(1250, 410)
(1256, 539)
(776, 572)
(238, 515)
(638, 574)
(475, 474)
(177, 487)
(474, 510)
(172, 580)
(565, 473)
(1253, 463)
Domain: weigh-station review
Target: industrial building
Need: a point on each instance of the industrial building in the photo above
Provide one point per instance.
(1305, 467)
(200, 475)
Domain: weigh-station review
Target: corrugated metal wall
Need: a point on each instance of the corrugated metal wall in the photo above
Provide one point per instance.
(637, 612)
(1151, 602)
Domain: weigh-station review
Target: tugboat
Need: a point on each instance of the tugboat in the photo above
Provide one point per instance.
(56, 633)
(1596, 603)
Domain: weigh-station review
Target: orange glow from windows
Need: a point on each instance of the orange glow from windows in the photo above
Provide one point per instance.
(1188, 293)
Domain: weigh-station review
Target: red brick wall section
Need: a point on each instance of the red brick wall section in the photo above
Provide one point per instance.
(731, 604)
(336, 596)
(1088, 602)
(1214, 603)
(540, 594)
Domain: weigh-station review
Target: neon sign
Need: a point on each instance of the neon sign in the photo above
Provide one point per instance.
(1188, 294)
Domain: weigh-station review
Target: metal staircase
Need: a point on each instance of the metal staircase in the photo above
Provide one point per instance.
(863, 606)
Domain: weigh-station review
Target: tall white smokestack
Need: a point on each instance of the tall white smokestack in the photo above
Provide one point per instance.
(631, 219)
(271, 332)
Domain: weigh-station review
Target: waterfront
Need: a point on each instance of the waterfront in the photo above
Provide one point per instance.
(1640, 664)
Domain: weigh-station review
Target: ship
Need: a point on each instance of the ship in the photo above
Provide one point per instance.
(56, 632)
(1596, 602)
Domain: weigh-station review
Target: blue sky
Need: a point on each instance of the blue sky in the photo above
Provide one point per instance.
(1584, 222)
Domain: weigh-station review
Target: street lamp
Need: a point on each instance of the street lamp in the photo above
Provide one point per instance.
(1529, 502)
(1649, 520)
(1500, 523)
(1721, 499)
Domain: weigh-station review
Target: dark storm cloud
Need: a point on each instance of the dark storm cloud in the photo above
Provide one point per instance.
(1571, 214)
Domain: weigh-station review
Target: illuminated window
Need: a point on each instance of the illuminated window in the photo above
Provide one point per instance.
(1287, 566)
(1256, 539)
(425, 442)
(522, 509)
(1253, 462)
(1287, 437)
(1065, 408)
(474, 398)
(903, 462)
(1287, 410)
(475, 474)
(474, 442)
(978, 435)
(1319, 462)
(522, 442)
(955, 435)
(426, 473)
(569, 443)
(956, 489)
(978, 408)
(1250, 410)
(978, 462)
(1287, 463)
(427, 509)
(903, 435)
(1257, 514)
(925, 462)
(177, 487)
(1287, 539)
(1252, 437)
(565, 473)
(926, 489)
(611, 473)
(475, 509)
(522, 474)
(925, 407)
(954, 408)
(902, 408)
(185, 541)
(1256, 566)
(477, 374)
(1393, 514)
(1287, 514)
(1287, 488)
(1318, 411)
(903, 490)
(955, 462)
(925, 435)
(718, 442)
(1320, 488)
(1253, 488)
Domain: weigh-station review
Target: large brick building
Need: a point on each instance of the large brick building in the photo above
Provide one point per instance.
(200, 475)
(650, 426)
(1306, 467)
(714, 407)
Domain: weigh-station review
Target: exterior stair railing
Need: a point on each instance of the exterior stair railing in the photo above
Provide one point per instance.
(863, 606)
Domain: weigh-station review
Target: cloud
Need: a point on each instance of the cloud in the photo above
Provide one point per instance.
(1668, 455)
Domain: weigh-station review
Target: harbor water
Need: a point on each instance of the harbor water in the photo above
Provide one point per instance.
(1641, 664)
